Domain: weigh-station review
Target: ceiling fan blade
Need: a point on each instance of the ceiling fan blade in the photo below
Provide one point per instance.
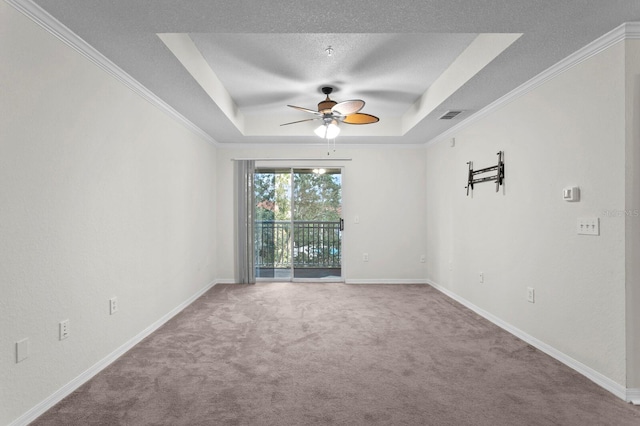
(360, 118)
(301, 121)
(305, 109)
(348, 107)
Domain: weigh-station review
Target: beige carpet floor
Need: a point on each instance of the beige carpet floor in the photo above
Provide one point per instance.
(336, 354)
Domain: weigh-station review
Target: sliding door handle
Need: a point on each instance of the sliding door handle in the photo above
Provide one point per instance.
(342, 224)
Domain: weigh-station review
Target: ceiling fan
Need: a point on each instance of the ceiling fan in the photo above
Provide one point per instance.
(332, 113)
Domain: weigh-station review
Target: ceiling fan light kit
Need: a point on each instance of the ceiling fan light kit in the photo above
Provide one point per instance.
(328, 131)
(332, 113)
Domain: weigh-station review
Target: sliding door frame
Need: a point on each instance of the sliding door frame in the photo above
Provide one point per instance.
(292, 277)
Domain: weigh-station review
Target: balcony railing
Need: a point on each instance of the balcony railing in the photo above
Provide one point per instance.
(315, 244)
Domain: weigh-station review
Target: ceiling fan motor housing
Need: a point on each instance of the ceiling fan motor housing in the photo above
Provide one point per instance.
(326, 105)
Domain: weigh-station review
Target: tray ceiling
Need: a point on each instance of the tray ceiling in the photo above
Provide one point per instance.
(232, 67)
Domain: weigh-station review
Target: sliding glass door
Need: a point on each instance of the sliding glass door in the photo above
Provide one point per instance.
(273, 223)
(317, 209)
(298, 226)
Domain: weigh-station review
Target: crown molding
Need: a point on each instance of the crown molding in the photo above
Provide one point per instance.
(71, 39)
(628, 30)
(632, 30)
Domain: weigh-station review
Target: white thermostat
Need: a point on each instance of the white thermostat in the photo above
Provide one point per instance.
(571, 193)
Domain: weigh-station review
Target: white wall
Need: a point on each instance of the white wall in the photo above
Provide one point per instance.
(632, 211)
(101, 195)
(568, 131)
(383, 185)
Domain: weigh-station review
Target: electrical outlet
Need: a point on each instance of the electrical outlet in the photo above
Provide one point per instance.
(113, 305)
(365, 257)
(64, 329)
(531, 295)
(481, 277)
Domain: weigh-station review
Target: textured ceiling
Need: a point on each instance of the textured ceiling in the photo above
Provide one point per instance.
(268, 54)
(389, 71)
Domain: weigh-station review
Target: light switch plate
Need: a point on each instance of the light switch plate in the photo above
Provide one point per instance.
(588, 226)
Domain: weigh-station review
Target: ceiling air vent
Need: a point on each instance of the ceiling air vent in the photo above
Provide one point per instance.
(449, 115)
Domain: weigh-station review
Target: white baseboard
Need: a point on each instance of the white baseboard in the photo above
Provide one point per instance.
(633, 396)
(629, 395)
(347, 281)
(387, 281)
(596, 377)
(226, 281)
(84, 377)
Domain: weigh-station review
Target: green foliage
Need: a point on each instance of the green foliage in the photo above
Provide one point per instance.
(272, 196)
(316, 198)
(282, 191)
(264, 189)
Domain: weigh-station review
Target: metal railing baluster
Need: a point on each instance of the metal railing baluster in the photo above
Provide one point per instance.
(316, 244)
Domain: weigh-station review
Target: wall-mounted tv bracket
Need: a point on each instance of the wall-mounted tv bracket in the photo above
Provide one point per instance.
(498, 177)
